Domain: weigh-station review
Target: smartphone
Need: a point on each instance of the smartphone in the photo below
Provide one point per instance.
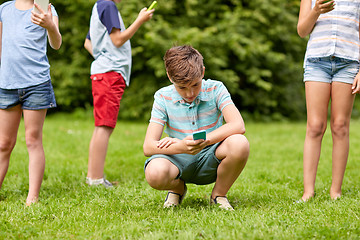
(199, 135)
(154, 3)
(43, 4)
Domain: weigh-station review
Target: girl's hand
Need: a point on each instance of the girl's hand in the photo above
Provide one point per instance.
(166, 142)
(42, 19)
(356, 85)
(324, 6)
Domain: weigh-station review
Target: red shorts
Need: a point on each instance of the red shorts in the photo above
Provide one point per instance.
(107, 91)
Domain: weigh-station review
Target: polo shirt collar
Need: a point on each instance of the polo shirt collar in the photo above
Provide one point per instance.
(203, 96)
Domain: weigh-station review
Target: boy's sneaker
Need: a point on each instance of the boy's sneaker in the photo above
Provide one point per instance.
(174, 199)
(222, 202)
(96, 182)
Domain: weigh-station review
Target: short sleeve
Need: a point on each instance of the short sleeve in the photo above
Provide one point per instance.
(53, 11)
(109, 15)
(223, 96)
(158, 112)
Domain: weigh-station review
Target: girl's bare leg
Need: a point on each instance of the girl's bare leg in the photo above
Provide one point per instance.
(341, 108)
(317, 102)
(10, 120)
(34, 121)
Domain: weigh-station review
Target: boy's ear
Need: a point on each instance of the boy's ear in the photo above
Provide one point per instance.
(204, 72)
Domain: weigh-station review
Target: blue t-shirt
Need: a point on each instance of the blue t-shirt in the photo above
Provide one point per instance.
(104, 18)
(23, 49)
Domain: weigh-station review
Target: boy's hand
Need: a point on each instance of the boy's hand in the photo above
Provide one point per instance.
(166, 142)
(194, 146)
(145, 15)
(42, 19)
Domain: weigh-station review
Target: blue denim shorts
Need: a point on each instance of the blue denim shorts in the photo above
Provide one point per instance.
(330, 69)
(199, 169)
(31, 98)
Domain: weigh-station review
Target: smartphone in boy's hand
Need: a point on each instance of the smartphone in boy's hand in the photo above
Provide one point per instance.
(199, 135)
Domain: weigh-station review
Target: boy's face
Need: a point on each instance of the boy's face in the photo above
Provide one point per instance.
(189, 91)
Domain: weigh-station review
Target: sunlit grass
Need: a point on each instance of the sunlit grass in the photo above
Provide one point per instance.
(263, 196)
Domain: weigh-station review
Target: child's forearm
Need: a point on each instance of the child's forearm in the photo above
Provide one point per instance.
(152, 148)
(55, 39)
(225, 131)
(119, 38)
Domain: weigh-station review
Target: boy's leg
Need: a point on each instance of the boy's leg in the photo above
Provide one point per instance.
(341, 107)
(317, 101)
(97, 151)
(10, 120)
(161, 174)
(34, 122)
(233, 153)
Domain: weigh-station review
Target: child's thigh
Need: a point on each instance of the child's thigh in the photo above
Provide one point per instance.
(10, 120)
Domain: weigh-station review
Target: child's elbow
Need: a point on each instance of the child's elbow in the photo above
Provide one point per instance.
(146, 151)
(242, 130)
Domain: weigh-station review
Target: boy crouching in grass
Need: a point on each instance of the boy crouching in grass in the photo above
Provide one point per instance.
(188, 105)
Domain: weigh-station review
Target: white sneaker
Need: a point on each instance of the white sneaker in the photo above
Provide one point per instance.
(101, 181)
(222, 202)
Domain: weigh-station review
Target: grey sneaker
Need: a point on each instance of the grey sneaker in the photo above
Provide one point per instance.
(174, 199)
(96, 182)
(222, 202)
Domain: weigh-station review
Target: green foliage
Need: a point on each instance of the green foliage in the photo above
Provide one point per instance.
(250, 45)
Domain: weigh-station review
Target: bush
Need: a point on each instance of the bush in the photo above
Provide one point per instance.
(250, 45)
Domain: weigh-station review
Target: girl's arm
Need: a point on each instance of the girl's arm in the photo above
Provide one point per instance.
(234, 124)
(50, 23)
(119, 38)
(308, 16)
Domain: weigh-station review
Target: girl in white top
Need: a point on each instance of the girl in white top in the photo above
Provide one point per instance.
(331, 71)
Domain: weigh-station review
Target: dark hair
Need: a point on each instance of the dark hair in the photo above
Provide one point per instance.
(184, 64)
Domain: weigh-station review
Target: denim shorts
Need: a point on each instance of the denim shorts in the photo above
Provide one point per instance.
(199, 169)
(330, 69)
(31, 98)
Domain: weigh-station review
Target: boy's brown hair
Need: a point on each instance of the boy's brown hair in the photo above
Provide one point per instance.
(184, 64)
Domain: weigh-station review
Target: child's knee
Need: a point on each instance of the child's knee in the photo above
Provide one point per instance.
(6, 146)
(238, 146)
(157, 175)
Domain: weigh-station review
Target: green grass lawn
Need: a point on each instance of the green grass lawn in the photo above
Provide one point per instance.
(263, 196)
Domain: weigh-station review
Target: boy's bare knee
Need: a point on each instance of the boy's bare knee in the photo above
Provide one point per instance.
(157, 176)
(239, 146)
